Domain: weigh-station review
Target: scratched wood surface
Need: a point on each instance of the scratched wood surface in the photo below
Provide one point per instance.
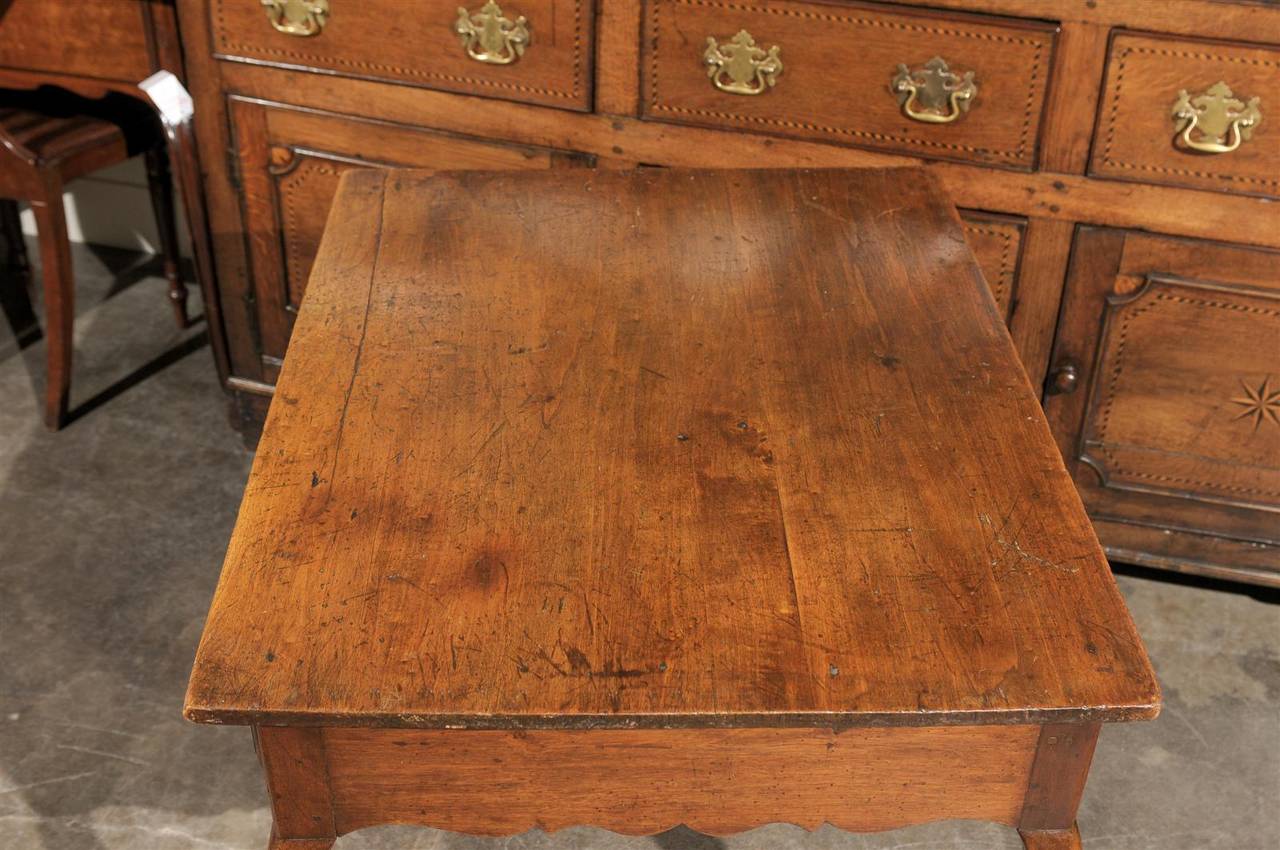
(658, 448)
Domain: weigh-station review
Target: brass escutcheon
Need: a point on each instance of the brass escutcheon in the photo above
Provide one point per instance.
(1220, 119)
(740, 67)
(933, 94)
(490, 37)
(297, 17)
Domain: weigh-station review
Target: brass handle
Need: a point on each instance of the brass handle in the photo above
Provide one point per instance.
(1064, 379)
(1221, 119)
(934, 94)
(740, 67)
(302, 18)
(490, 37)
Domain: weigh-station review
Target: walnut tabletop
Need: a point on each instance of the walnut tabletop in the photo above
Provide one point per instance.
(658, 449)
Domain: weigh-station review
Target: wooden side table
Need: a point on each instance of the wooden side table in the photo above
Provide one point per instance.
(638, 499)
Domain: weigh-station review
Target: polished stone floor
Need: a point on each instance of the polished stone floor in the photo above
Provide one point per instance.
(111, 536)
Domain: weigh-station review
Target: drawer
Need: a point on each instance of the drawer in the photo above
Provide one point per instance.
(949, 87)
(27, 39)
(1190, 113)
(537, 51)
(996, 242)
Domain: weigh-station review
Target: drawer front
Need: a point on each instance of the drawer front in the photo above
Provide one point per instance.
(954, 87)
(290, 162)
(1173, 420)
(103, 40)
(996, 242)
(1190, 113)
(536, 51)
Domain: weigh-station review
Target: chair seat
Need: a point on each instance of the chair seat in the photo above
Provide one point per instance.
(73, 144)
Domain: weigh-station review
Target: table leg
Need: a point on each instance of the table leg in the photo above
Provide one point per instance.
(1064, 839)
(1058, 774)
(298, 782)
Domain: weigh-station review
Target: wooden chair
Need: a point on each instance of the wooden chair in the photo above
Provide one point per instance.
(50, 138)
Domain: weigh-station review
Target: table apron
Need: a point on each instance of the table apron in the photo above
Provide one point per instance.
(640, 782)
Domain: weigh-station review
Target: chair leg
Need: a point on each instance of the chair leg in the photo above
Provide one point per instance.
(15, 249)
(16, 291)
(160, 181)
(59, 303)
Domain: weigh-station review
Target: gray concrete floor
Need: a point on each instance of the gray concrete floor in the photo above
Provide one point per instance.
(111, 537)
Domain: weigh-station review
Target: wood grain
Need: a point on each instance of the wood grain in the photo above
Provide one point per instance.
(66, 37)
(617, 448)
(1137, 137)
(830, 91)
(1199, 554)
(1045, 252)
(1062, 197)
(641, 782)
(1246, 21)
(1061, 766)
(1079, 59)
(417, 46)
(1169, 429)
(996, 242)
(377, 63)
(1063, 839)
(290, 161)
(298, 783)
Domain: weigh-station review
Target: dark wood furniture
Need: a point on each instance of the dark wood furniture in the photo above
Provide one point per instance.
(1073, 122)
(625, 483)
(48, 140)
(52, 51)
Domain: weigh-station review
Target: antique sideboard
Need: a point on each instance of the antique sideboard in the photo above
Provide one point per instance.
(1117, 162)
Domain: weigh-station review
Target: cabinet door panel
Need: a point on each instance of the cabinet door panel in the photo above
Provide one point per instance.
(1175, 422)
(290, 161)
(996, 242)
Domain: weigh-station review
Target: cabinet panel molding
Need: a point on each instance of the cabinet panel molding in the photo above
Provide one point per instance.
(1175, 423)
(1187, 396)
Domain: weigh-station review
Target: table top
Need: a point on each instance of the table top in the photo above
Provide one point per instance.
(583, 449)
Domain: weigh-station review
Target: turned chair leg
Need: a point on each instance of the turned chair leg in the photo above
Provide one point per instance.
(160, 181)
(59, 303)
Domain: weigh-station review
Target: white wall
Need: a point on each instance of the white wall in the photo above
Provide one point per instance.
(113, 207)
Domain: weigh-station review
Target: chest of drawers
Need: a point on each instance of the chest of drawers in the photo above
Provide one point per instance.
(1115, 163)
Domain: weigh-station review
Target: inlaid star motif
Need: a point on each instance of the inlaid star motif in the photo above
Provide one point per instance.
(1260, 403)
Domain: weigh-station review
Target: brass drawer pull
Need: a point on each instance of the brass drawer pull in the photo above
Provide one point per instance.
(302, 18)
(934, 94)
(1220, 119)
(740, 67)
(490, 37)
